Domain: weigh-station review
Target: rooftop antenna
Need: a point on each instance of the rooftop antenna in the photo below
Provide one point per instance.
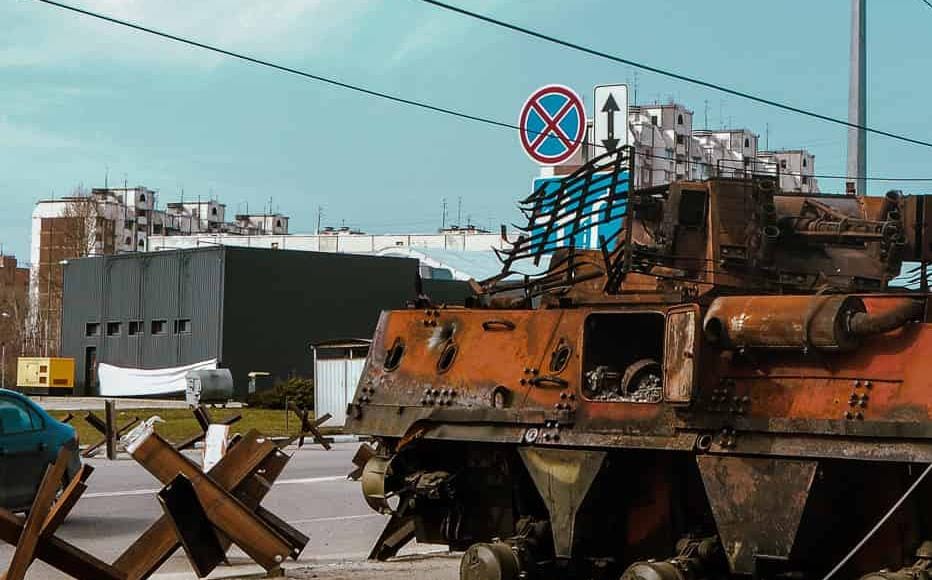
(106, 177)
(721, 113)
(320, 215)
(459, 211)
(767, 136)
(635, 87)
(706, 114)
(857, 99)
(443, 219)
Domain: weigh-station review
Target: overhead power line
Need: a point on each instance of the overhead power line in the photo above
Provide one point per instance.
(272, 65)
(927, 3)
(374, 93)
(671, 74)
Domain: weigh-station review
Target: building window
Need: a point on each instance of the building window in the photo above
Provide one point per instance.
(142, 197)
(805, 179)
(159, 327)
(805, 162)
(114, 328)
(135, 328)
(92, 329)
(213, 211)
(680, 139)
(679, 119)
(274, 245)
(183, 326)
(653, 120)
(783, 164)
(129, 241)
(278, 223)
(747, 142)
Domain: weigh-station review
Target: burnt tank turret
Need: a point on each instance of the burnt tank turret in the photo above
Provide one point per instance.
(708, 380)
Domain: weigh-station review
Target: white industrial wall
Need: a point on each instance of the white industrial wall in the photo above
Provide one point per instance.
(334, 386)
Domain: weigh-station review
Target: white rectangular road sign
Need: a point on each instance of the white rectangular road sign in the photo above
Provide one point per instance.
(610, 125)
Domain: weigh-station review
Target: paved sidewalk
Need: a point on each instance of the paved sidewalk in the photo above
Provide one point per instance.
(97, 403)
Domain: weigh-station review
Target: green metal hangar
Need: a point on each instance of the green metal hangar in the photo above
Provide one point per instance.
(134, 323)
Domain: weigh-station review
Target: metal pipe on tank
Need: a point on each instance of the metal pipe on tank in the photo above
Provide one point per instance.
(783, 322)
(830, 322)
(868, 324)
(891, 202)
(769, 237)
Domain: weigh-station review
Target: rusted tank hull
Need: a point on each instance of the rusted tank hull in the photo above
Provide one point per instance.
(506, 426)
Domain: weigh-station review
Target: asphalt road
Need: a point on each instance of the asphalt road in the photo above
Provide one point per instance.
(312, 494)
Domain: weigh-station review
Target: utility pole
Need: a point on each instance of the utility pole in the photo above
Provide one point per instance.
(857, 100)
(320, 216)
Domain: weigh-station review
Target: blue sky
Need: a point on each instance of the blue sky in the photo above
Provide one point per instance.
(78, 96)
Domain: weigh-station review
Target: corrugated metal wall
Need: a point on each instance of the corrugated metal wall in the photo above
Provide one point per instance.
(334, 387)
(163, 286)
(253, 309)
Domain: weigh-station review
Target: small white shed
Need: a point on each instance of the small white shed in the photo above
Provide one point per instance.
(337, 368)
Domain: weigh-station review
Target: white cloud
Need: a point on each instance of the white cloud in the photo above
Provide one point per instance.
(438, 27)
(19, 136)
(256, 27)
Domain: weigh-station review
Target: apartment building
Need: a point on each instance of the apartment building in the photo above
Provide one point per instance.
(795, 167)
(108, 221)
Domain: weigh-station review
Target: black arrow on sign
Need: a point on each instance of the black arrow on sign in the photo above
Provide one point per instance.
(610, 108)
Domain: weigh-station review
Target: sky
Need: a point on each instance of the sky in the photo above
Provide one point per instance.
(83, 101)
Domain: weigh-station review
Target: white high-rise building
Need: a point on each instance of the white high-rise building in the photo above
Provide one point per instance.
(796, 168)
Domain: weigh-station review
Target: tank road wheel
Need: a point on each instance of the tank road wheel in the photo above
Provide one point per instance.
(655, 571)
(921, 570)
(697, 559)
(495, 561)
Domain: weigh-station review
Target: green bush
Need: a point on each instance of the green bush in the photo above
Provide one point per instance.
(297, 390)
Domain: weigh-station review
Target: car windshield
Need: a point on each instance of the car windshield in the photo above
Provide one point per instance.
(15, 417)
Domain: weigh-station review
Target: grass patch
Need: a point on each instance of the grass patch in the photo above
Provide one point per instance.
(180, 423)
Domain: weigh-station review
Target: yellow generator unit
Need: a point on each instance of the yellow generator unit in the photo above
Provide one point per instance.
(45, 373)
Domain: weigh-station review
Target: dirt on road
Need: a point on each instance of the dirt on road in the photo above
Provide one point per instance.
(434, 567)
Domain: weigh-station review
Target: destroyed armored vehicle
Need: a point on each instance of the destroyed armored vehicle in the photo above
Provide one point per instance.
(710, 380)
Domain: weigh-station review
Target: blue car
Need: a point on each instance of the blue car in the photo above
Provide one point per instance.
(30, 440)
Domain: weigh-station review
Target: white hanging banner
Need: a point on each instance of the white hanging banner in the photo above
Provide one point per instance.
(128, 382)
(215, 445)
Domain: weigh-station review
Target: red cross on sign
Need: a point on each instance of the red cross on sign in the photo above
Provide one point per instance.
(553, 124)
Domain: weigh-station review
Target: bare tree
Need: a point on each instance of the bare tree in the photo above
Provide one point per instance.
(80, 225)
(80, 230)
